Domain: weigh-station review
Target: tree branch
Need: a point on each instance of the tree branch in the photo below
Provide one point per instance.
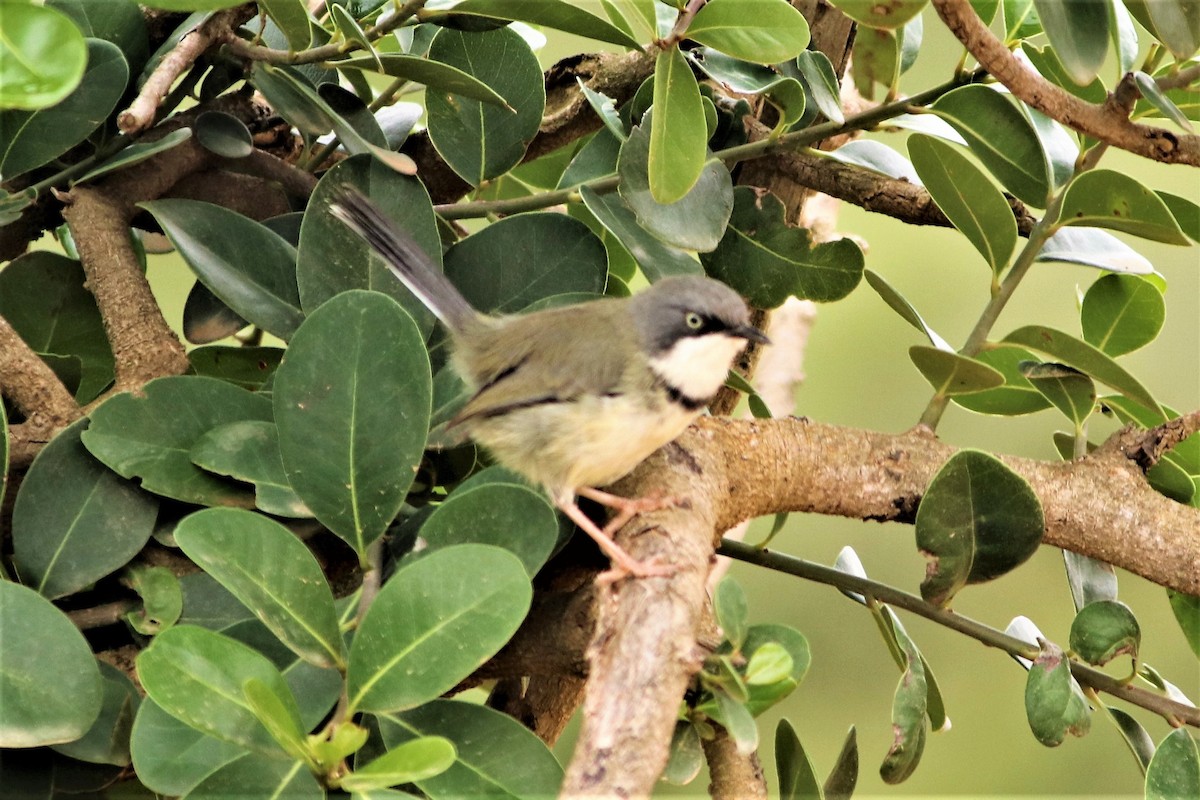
(732, 775)
(1108, 122)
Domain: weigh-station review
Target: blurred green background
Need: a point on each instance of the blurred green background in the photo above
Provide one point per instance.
(858, 374)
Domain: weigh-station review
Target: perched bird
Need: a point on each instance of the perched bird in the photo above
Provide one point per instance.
(575, 397)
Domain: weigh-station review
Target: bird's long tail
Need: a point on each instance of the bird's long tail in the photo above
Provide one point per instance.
(403, 256)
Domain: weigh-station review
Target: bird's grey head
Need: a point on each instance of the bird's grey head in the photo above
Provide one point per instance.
(691, 329)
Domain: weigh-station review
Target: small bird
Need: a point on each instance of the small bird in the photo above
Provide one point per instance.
(575, 397)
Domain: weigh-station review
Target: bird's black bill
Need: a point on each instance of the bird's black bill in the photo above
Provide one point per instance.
(749, 333)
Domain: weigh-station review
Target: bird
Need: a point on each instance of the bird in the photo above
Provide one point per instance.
(573, 398)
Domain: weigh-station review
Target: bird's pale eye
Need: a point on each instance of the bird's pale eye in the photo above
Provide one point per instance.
(693, 320)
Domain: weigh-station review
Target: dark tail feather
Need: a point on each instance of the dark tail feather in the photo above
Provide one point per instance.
(404, 257)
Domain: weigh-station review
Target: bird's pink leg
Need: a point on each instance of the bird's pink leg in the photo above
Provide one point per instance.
(623, 563)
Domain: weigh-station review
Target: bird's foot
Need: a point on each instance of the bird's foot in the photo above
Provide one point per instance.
(623, 564)
(650, 568)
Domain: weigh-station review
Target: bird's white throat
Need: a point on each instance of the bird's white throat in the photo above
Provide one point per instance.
(696, 366)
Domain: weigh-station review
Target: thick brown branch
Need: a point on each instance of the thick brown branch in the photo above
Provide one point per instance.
(140, 114)
(1108, 122)
(30, 383)
(1147, 447)
(732, 775)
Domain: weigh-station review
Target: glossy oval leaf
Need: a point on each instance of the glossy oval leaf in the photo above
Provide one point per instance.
(677, 130)
(1104, 198)
(1175, 769)
(1085, 358)
(255, 775)
(731, 609)
(1187, 213)
(482, 141)
(881, 15)
(274, 575)
(821, 84)
(909, 712)
(1090, 580)
(244, 263)
(1103, 630)
(876, 60)
(291, 17)
(1161, 101)
(743, 77)
(898, 303)
(656, 258)
(1001, 137)
(48, 677)
(766, 260)
(953, 374)
(1121, 313)
(1092, 247)
(411, 762)
(30, 139)
(1177, 24)
(352, 403)
(434, 622)
(107, 741)
(332, 258)
(797, 778)
(136, 153)
(249, 451)
(150, 435)
(74, 520)
(196, 675)
(247, 367)
(433, 74)
(1067, 389)
(515, 518)
(525, 258)
(842, 779)
(762, 31)
(223, 135)
(977, 520)
(877, 157)
(497, 756)
(1186, 609)
(206, 319)
(42, 57)
(1054, 704)
(696, 221)
(968, 199)
(1079, 34)
(170, 756)
(557, 14)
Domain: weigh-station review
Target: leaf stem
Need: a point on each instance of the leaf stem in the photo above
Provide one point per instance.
(1173, 711)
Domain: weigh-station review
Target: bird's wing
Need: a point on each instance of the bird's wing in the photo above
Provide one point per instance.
(588, 354)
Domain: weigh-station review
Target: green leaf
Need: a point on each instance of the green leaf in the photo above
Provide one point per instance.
(1092, 247)
(352, 403)
(744, 77)
(1054, 703)
(1079, 34)
(497, 756)
(556, 14)
(881, 15)
(434, 74)
(191, 5)
(769, 664)
(1176, 23)
(491, 514)
(1085, 358)
(411, 762)
(953, 374)
(1103, 630)
(162, 599)
(170, 756)
(292, 18)
(333, 259)
(1186, 608)
(48, 678)
(136, 153)
(909, 711)
(731, 608)
(346, 25)
(30, 139)
(766, 260)
(656, 258)
(797, 778)
(244, 263)
(977, 520)
(763, 696)
(266, 567)
(206, 319)
(107, 741)
(42, 57)
(1174, 772)
(695, 222)
(877, 157)
(43, 297)
(1108, 199)
(477, 141)
(1069, 390)
(821, 84)
(1161, 101)
(762, 31)
(274, 715)
(1135, 736)
(967, 197)
(686, 755)
(1001, 137)
(255, 775)
(249, 451)
(901, 306)
(876, 60)
(292, 98)
(677, 130)
(1186, 212)
(196, 676)
(150, 435)
(247, 367)
(525, 258)
(1090, 580)
(732, 714)
(434, 622)
(1121, 313)
(116, 21)
(223, 135)
(844, 775)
